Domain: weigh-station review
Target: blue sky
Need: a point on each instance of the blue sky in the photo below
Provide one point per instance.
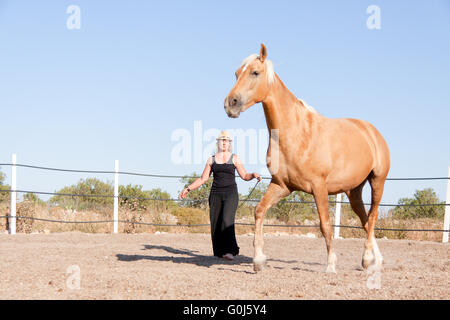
(135, 72)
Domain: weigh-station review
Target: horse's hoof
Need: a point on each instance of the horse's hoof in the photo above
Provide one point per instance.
(366, 263)
(331, 269)
(368, 260)
(259, 263)
(258, 267)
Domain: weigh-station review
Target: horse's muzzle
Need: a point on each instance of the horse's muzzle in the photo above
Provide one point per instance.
(233, 107)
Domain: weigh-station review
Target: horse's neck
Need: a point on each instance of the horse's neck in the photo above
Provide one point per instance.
(283, 110)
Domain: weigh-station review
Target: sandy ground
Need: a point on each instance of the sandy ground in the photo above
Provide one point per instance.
(180, 266)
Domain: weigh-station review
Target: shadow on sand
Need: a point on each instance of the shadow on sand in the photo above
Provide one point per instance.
(189, 256)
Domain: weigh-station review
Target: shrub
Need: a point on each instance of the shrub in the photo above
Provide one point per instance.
(90, 186)
(33, 198)
(24, 209)
(190, 216)
(198, 196)
(425, 196)
(4, 195)
(128, 195)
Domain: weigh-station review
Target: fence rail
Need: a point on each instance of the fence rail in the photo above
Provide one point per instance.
(12, 217)
(172, 176)
(205, 199)
(207, 225)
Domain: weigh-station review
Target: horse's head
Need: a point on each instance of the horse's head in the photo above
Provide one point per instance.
(253, 79)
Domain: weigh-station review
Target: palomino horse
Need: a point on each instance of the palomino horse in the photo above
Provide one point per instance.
(317, 155)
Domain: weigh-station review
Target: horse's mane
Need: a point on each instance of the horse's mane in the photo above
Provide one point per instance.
(307, 106)
(269, 66)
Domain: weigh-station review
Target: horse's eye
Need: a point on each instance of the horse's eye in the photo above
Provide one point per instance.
(255, 73)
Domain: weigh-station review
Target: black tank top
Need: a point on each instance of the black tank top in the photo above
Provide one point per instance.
(224, 176)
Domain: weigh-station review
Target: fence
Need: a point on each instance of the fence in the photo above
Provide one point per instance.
(13, 192)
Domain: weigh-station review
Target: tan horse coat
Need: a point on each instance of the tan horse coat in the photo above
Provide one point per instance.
(314, 154)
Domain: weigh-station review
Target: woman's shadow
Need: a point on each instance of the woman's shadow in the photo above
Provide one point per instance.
(189, 256)
(183, 256)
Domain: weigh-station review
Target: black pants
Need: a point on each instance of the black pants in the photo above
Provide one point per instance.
(222, 211)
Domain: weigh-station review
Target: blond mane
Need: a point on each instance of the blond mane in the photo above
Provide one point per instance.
(307, 106)
(269, 66)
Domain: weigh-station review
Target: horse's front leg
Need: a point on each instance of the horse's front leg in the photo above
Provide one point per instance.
(273, 194)
(320, 193)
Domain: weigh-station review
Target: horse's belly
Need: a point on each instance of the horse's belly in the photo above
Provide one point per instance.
(342, 181)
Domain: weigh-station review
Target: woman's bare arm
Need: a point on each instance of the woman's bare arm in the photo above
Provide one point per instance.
(199, 181)
(242, 172)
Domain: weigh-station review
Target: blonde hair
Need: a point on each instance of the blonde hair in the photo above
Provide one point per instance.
(230, 148)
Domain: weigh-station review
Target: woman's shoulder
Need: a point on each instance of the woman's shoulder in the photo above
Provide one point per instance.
(211, 160)
(236, 158)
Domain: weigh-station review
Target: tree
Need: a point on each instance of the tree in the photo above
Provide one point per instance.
(285, 210)
(88, 187)
(31, 197)
(2, 178)
(199, 197)
(408, 207)
(4, 195)
(161, 205)
(134, 198)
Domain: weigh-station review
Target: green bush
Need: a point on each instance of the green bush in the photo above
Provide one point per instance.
(128, 195)
(283, 210)
(161, 205)
(198, 194)
(33, 198)
(4, 196)
(425, 196)
(90, 186)
(190, 216)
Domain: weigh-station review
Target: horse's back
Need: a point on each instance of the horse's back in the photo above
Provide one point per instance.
(378, 145)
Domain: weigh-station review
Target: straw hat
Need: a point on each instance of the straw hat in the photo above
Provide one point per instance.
(224, 135)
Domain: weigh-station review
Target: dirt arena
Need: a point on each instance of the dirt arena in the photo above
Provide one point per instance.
(180, 266)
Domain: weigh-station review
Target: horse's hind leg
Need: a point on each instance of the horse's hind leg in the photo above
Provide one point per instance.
(372, 254)
(273, 194)
(357, 204)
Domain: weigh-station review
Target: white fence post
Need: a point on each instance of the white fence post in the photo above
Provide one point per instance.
(12, 219)
(116, 197)
(447, 210)
(337, 215)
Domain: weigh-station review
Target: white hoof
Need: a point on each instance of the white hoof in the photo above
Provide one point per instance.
(259, 262)
(368, 259)
(331, 268)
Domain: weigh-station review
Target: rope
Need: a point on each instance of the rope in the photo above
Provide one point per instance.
(206, 225)
(242, 201)
(204, 200)
(201, 200)
(170, 176)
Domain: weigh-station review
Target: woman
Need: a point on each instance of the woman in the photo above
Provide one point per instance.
(223, 197)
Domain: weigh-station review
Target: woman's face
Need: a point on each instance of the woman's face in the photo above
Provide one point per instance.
(223, 145)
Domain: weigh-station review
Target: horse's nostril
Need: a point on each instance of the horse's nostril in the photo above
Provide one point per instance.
(234, 102)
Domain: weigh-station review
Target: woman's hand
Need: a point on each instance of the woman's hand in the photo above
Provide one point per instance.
(184, 193)
(257, 176)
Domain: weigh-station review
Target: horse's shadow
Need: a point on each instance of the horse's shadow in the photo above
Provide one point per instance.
(188, 256)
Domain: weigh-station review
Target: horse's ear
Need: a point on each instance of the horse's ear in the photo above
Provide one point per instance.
(263, 53)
